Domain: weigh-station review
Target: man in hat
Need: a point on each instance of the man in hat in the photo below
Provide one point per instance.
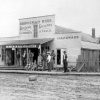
(65, 63)
(49, 61)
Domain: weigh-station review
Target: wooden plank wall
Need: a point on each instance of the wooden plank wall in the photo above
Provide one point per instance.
(91, 60)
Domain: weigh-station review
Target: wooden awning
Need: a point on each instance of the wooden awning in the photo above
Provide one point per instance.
(29, 41)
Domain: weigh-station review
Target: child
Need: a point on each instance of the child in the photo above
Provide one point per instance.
(27, 67)
(34, 66)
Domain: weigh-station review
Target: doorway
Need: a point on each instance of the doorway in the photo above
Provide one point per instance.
(35, 51)
(10, 56)
(60, 56)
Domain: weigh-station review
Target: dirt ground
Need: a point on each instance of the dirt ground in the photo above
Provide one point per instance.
(46, 87)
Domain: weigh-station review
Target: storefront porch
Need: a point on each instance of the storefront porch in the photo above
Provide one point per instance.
(10, 50)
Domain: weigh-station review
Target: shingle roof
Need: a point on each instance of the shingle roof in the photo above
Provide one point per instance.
(90, 46)
(88, 38)
(62, 30)
(84, 37)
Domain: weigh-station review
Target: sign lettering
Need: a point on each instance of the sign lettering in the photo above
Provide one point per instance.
(46, 24)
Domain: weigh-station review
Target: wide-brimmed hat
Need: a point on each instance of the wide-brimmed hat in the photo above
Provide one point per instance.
(48, 52)
(64, 51)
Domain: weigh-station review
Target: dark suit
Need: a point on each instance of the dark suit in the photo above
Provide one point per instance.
(65, 63)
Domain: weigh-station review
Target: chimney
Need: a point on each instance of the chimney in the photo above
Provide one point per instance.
(93, 32)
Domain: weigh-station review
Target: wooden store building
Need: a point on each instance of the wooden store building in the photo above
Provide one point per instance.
(40, 33)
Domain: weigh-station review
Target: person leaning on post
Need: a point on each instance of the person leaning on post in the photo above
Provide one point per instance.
(65, 62)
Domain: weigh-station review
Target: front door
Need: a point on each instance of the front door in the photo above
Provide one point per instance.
(60, 57)
(10, 56)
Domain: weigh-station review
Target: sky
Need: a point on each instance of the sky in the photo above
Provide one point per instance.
(80, 15)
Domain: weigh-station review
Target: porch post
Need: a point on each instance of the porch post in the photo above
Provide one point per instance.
(20, 56)
(5, 56)
(15, 63)
(40, 48)
(27, 55)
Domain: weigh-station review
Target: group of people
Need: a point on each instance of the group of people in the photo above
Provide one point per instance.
(44, 60)
(48, 59)
(32, 63)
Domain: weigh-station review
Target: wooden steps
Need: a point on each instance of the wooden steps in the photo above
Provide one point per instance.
(11, 68)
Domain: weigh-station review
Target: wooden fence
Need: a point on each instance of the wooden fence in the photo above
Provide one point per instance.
(88, 61)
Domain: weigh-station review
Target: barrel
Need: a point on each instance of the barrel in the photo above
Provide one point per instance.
(32, 78)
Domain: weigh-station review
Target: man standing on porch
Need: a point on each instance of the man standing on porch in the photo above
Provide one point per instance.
(65, 63)
(24, 56)
(18, 58)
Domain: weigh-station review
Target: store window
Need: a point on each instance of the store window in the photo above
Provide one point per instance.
(47, 48)
(35, 31)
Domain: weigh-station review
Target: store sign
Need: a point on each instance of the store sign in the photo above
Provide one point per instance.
(22, 46)
(13, 48)
(45, 24)
(69, 37)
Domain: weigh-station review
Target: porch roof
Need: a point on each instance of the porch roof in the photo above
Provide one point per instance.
(29, 41)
